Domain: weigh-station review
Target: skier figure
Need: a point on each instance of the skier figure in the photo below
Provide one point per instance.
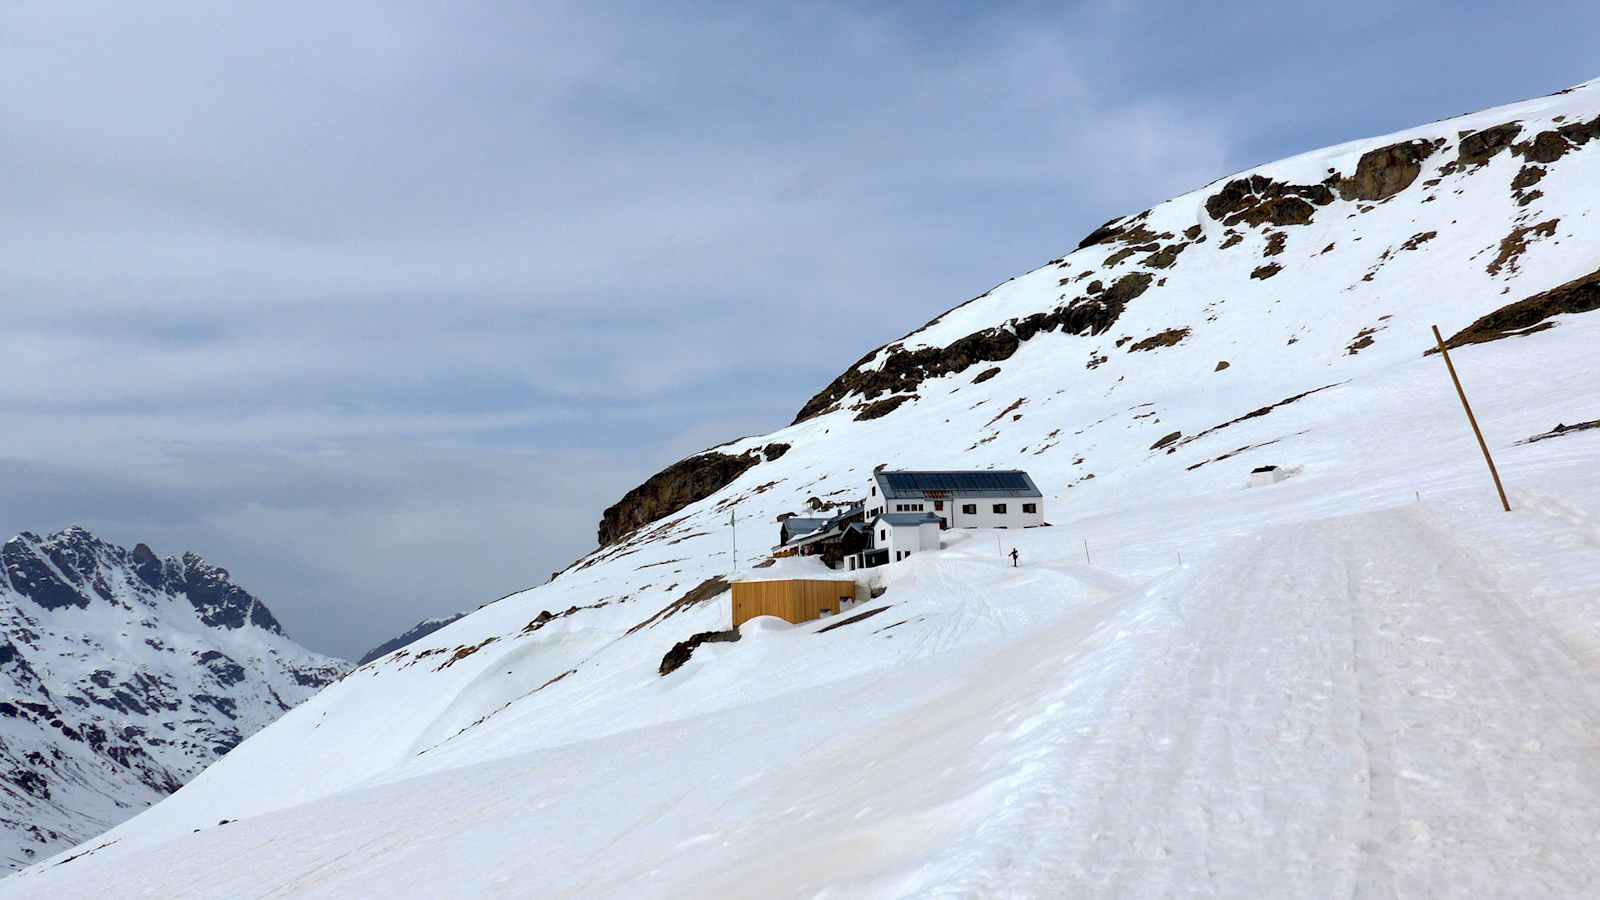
(1013, 557)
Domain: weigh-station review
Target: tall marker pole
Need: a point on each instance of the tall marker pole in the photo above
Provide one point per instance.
(733, 526)
(1471, 419)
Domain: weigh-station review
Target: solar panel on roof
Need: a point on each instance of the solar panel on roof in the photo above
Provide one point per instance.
(956, 481)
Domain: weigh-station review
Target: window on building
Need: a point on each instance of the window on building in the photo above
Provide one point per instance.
(999, 509)
(874, 490)
(883, 534)
(938, 505)
(970, 509)
(1030, 507)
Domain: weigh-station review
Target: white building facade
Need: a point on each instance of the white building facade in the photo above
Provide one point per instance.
(971, 499)
(902, 534)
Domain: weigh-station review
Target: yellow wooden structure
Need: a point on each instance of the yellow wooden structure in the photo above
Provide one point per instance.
(793, 600)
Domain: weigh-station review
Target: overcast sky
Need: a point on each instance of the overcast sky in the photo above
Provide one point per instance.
(380, 304)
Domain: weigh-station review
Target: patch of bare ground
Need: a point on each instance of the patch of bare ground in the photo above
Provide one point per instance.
(1168, 338)
(853, 619)
(1276, 240)
(1531, 314)
(1562, 431)
(1232, 453)
(1221, 364)
(1513, 245)
(986, 374)
(700, 593)
(1253, 414)
(1266, 271)
(1015, 405)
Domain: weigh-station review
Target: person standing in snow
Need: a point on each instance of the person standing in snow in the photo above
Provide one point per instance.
(1013, 557)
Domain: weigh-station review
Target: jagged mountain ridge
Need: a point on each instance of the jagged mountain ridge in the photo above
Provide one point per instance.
(1278, 316)
(124, 675)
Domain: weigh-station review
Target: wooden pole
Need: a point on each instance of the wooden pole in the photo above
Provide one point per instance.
(1471, 419)
(1086, 551)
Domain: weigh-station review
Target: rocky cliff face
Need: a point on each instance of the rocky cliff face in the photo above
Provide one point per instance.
(680, 484)
(123, 675)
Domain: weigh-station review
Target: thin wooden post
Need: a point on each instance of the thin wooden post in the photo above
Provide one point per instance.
(1086, 551)
(1471, 419)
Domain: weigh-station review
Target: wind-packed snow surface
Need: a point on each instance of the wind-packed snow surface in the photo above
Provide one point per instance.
(123, 675)
(1366, 679)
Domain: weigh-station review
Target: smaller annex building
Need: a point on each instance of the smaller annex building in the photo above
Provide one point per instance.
(794, 590)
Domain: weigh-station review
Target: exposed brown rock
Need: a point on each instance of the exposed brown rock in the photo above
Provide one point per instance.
(1530, 314)
(773, 451)
(1275, 243)
(1221, 364)
(1527, 177)
(1258, 200)
(1266, 271)
(1165, 257)
(664, 493)
(1417, 240)
(682, 650)
(881, 408)
(1167, 441)
(1233, 238)
(1166, 338)
(712, 587)
(1513, 245)
(903, 370)
(1478, 147)
(1362, 341)
(1386, 171)
(986, 374)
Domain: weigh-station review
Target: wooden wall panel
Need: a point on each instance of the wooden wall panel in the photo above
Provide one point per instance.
(793, 601)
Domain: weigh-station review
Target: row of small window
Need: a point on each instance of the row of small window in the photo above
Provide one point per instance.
(971, 509)
(967, 509)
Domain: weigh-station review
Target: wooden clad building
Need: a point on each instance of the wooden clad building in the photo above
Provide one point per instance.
(793, 600)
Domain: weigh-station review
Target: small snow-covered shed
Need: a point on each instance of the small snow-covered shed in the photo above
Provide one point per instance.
(1264, 475)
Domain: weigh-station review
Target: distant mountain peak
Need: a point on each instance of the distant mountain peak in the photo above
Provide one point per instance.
(125, 674)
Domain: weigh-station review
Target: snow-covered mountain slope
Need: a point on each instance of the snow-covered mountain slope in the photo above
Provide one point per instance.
(123, 675)
(410, 636)
(1365, 678)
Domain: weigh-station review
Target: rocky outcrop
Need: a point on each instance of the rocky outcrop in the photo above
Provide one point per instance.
(682, 650)
(1531, 314)
(678, 485)
(1259, 200)
(1550, 145)
(903, 370)
(1478, 147)
(1386, 171)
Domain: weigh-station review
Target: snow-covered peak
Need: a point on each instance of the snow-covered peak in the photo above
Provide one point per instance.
(125, 674)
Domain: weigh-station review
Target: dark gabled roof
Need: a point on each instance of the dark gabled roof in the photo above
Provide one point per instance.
(796, 525)
(899, 485)
(898, 519)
